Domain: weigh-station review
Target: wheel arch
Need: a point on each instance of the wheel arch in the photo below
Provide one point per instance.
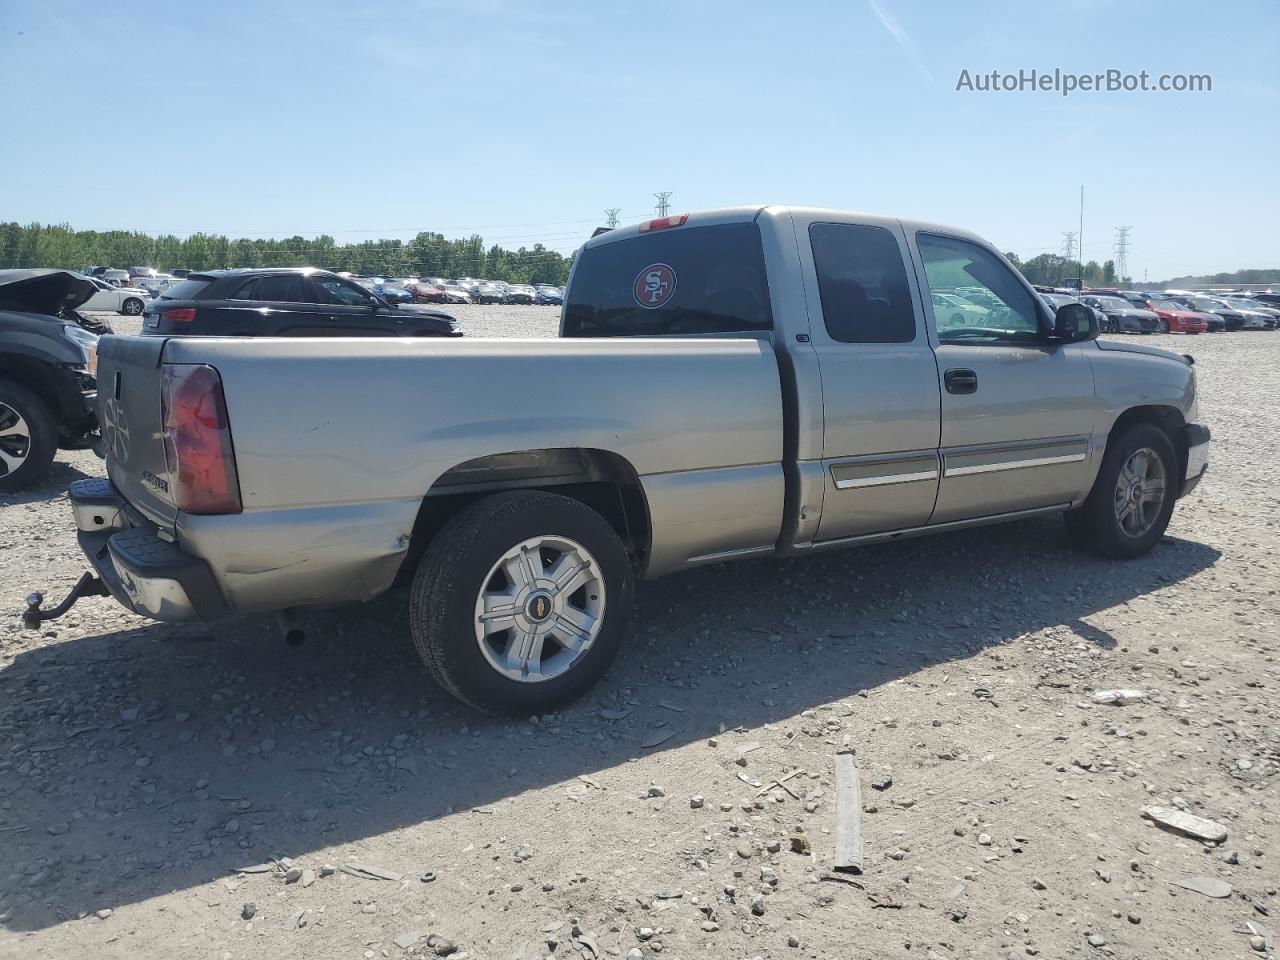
(41, 379)
(1168, 418)
(601, 479)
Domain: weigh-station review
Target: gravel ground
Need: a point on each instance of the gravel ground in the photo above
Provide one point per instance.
(142, 764)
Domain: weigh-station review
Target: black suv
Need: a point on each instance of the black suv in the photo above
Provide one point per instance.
(48, 358)
(294, 302)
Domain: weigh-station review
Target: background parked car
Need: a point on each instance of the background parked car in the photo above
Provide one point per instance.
(955, 311)
(1175, 318)
(107, 298)
(546, 293)
(490, 293)
(456, 293)
(1231, 319)
(1257, 316)
(48, 368)
(424, 292)
(520, 293)
(298, 302)
(1124, 316)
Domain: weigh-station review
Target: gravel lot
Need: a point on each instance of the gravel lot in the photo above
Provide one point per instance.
(141, 764)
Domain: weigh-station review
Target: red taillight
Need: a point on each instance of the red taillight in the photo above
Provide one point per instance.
(181, 315)
(664, 223)
(197, 440)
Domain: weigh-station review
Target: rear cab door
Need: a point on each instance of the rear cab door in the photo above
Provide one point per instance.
(879, 378)
(1017, 409)
(273, 305)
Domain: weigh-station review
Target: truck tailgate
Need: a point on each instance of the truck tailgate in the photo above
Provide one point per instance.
(129, 375)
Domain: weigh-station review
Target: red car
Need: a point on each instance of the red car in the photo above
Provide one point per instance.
(426, 293)
(1175, 318)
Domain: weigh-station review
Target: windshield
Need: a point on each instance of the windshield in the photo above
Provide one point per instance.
(1166, 305)
(1114, 303)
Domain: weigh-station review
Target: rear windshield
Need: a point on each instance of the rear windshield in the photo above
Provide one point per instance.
(186, 290)
(671, 283)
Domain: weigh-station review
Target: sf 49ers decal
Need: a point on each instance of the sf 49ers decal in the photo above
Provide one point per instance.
(654, 286)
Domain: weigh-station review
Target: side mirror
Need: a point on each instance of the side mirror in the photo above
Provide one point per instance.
(1074, 323)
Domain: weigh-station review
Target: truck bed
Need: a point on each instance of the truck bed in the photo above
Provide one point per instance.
(337, 441)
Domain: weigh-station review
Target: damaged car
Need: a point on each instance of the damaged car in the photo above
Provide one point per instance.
(48, 370)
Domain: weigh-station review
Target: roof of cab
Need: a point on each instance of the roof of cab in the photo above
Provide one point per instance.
(747, 213)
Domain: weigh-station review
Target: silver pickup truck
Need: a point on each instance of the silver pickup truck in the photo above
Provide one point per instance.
(740, 383)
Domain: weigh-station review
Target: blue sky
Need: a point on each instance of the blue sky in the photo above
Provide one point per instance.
(522, 121)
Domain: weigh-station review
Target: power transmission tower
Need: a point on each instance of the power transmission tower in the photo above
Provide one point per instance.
(611, 217)
(1068, 244)
(664, 202)
(1122, 250)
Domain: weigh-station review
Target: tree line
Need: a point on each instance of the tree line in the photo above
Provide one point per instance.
(426, 255)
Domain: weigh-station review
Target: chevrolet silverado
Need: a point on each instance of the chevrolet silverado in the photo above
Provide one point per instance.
(740, 383)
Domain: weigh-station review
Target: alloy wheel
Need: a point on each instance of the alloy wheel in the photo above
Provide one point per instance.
(1140, 492)
(15, 440)
(540, 608)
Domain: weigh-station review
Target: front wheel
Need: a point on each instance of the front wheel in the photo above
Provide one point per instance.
(520, 602)
(1132, 499)
(28, 437)
(1162, 326)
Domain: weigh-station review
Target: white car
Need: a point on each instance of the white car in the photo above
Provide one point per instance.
(106, 298)
(954, 311)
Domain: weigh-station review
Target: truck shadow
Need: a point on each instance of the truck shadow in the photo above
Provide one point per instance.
(153, 759)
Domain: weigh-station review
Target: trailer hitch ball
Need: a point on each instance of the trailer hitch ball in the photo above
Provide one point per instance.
(87, 586)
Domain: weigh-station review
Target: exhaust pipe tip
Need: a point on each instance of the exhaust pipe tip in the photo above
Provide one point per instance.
(292, 631)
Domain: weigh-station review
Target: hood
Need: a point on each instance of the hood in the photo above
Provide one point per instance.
(1127, 346)
(43, 291)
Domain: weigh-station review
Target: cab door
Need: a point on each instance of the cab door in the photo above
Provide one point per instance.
(347, 309)
(1017, 409)
(879, 379)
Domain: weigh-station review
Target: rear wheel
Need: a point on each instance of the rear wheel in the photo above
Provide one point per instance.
(1132, 499)
(132, 306)
(1162, 326)
(28, 437)
(520, 602)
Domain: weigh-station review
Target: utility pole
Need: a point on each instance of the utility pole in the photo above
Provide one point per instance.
(611, 217)
(1122, 250)
(1080, 236)
(664, 202)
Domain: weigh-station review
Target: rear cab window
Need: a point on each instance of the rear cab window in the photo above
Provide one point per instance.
(675, 282)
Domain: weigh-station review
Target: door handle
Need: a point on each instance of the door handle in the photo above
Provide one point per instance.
(960, 380)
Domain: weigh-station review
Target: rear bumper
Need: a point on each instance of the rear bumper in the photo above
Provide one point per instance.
(144, 573)
(1196, 436)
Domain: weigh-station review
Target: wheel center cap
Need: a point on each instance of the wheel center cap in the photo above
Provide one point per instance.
(538, 607)
(1135, 492)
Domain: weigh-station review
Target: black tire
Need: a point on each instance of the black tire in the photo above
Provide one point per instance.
(1162, 326)
(453, 570)
(41, 438)
(131, 307)
(1094, 525)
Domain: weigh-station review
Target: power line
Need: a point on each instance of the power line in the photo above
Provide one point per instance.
(664, 202)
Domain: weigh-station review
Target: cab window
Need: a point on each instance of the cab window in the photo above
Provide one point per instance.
(998, 308)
